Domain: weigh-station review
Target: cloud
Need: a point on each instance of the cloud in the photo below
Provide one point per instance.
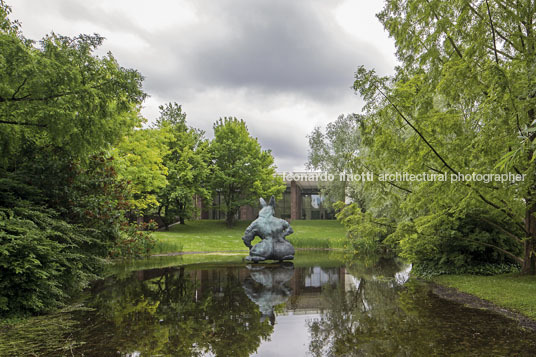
(283, 66)
(266, 45)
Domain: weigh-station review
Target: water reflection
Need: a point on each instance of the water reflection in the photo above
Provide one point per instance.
(327, 309)
(267, 286)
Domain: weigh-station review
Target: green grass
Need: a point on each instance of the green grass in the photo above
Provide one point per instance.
(513, 291)
(332, 258)
(211, 236)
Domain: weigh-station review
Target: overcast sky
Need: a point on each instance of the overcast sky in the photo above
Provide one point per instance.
(284, 66)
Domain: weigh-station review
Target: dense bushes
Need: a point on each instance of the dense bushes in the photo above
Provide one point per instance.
(58, 221)
(445, 243)
(43, 259)
(365, 233)
(464, 241)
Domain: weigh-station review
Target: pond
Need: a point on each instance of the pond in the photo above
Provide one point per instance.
(323, 304)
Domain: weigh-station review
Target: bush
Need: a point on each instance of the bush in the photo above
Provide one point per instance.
(58, 221)
(365, 233)
(42, 258)
(455, 244)
(134, 241)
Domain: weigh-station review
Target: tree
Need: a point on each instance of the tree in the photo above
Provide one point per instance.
(139, 159)
(334, 151)
(187, 161)
(62, 207)
(241, 171)
(462, 101)
(59, 93)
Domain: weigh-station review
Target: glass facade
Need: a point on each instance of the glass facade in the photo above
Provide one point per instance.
(282, 206)
(313, 206)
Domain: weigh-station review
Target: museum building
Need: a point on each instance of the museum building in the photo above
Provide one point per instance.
(302, 199)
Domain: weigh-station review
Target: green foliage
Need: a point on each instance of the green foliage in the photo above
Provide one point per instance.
(59, 93)
(187, 161)
(44, 260)
(461, 101)
(241, 171)
(365, 233)
(333, 151)
(62, 206)
(444, 243)
(139, 159)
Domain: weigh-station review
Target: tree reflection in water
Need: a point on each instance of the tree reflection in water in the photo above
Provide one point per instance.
(352, 309)
(168, 312)
(382, 316)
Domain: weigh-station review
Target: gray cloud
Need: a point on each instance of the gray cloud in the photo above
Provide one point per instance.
(283, 66)
(284, 46)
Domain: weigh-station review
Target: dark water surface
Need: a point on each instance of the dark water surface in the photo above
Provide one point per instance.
(318, 306)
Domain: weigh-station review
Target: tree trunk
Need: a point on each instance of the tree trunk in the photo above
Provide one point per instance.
(162, 218)
(529, 255)
(181, 220)
(229, 218)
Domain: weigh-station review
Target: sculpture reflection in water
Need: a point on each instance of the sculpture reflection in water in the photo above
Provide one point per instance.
(272, 231)
(267, 286)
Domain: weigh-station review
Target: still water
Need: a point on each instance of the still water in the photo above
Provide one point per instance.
(321, 305)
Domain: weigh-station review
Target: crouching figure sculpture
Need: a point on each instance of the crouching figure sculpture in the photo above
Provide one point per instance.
(272, 231)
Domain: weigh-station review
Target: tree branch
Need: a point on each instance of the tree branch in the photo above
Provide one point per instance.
(22, 123)
(453, 44)
(505, 252)
(501, 209)
(416, 130)
(510, 234)
(399, 187)
(493, 34)
(19, 88)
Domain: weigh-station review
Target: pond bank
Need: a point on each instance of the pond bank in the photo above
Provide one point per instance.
(234, 252)
(510, 295)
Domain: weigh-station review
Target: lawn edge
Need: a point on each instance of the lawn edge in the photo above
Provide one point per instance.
(172, 254)
(472, 301)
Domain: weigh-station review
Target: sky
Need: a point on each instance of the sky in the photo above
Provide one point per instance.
(283, 66)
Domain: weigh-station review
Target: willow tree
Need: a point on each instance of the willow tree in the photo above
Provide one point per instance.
(332, 151)
(461, 101)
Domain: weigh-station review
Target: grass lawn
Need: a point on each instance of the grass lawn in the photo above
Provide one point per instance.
(208, 235)
(513, 291)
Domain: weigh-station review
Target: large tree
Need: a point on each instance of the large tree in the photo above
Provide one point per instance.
(242, 170)
(187, 161)
(58, 92)
(463, 100)
(62, 207)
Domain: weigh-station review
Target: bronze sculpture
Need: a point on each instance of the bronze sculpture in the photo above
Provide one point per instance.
(272, 231)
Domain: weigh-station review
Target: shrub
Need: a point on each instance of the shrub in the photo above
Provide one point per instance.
(365, 233)
(43, 259)
(445, 243)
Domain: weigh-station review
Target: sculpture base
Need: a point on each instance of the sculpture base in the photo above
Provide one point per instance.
(256, 259)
